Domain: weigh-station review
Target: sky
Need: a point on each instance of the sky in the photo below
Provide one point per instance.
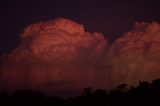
(112, 18)
(65, 46)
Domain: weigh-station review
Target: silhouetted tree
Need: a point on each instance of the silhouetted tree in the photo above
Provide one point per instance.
(144, 94)
(122, 87)
(87, 91)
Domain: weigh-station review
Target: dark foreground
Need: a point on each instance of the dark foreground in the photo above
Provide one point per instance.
(145, 94)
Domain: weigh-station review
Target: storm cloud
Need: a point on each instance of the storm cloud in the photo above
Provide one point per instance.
(60, 55)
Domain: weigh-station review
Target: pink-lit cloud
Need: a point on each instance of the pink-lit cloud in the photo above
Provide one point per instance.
(60, 55)
(53, 55)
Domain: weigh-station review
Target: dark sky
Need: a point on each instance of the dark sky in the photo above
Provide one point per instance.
(112, 18)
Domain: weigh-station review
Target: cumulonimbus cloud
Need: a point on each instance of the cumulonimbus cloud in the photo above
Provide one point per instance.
(60, 55)
(136, 54)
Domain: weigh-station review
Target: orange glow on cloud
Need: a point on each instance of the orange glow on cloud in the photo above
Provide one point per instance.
(60, 55)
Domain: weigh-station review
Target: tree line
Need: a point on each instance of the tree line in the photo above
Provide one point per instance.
(145, 94)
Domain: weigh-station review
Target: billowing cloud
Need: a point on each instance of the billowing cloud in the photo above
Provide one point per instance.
(135, 56)
(55, 55)
(60, 55)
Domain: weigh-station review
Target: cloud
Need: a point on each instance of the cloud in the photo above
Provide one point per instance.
(136, 54)
(60, 55)
(57, 54)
